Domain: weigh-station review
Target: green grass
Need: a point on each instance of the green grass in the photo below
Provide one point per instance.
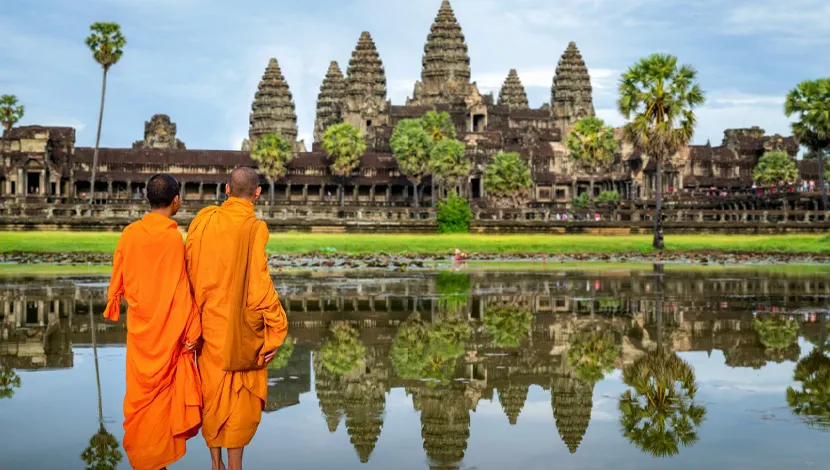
(296, 243)
(531, 266)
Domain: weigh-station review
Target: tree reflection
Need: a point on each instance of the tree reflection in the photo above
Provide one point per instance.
(508, 324)
(453, 292)
(812, 402)
(776, 332)
(9, 380)
(284, 354)
(592, 354)
(429, 351)
(659, 412)
(344, 352)
(103, 452)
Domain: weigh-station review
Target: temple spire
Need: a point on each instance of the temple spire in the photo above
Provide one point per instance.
(273, 108)
(571, 94)
(330, 101)
(446, 63)
(513, 93)
(365, 75)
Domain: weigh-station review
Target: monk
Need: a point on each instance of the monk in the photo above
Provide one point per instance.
(162, 406)
(228, 269)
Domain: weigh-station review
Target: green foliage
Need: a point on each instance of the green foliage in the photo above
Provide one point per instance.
(809, 101)
(775, 168)
(343, 353)
(424, 351)
(776, 332)
(812, 402)
(103, 452)
(283, 354)
(272, 154)
(447, 162)
(453, 291)
(9, 380)
(658, 97)
(593, 354)
(346, 145)
(815, 154)
(10, 111)
(592, 143)
(659, 412)
(411, 145)
(508, 324)
(106, 43)
(454, 215)
(581, 201)
(508, 178)
(608, 196)
(439, 126)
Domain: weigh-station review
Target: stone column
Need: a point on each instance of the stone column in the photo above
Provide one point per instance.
(322, 192)
(201, 190)
(218, 187)
(574, 190)
(356, 193)
(305, 193)
(109, 189)
(42, 184)
(130, 189)
(22, 188)
(372, 193)
(288, 192)
(388, 194)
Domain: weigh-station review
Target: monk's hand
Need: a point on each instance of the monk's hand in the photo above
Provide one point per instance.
(270, 356)
(191, 346)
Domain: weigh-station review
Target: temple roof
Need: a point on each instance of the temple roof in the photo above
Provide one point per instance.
(273, 108)
(571, 94)
(365, 75)
(29, 132)
(513, 93)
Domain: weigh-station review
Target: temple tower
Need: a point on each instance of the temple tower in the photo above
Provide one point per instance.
(445, 73)
(330, 101)
(513, 93)
(366, 106)
(571, 94)
(273, 108)
(159, 133)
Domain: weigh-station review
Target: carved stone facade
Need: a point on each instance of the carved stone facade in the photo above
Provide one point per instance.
(330, 101)
(366, 106)
(159, 133)
(513, 93)
(272, 111)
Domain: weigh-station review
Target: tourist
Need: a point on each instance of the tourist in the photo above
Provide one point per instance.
(243, 320)
(162, 403)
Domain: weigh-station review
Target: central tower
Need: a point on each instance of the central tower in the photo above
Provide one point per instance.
(445, 73)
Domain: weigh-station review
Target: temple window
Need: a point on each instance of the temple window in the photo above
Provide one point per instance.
(479, 122)
(368, 123)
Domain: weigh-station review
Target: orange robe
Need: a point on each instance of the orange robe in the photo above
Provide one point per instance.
(163, 400)
(233, 401)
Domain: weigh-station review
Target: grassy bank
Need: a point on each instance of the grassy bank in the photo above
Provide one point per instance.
(297, 243)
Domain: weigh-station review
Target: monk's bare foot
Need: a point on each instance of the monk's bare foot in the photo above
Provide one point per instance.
(216, 462)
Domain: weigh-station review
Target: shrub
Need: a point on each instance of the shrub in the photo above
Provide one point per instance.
(608, 196)
(582, 200)
(454, 215)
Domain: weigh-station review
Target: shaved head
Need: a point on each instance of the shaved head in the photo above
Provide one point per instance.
(243, 183)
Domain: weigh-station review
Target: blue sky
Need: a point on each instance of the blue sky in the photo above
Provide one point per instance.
(200, 61)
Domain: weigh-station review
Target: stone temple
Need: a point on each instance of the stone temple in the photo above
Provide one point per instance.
(43, 162)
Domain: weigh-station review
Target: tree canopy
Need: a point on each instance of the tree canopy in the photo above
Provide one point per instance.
(272, 154)
(346, 145)
(106, 43)
(438, 125)
(447, 162)
(508, 178)
(592, 143)
(10, 111)
(809, 102)
(775, 168)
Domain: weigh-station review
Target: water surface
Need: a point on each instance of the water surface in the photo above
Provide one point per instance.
(619, 369)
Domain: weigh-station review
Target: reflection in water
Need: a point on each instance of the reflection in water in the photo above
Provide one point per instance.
(453, 340)
(103, 452)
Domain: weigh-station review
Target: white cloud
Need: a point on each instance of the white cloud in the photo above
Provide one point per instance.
(805, 20)
(542, 77)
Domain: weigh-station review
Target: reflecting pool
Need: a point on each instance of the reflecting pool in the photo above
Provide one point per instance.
(618, 369)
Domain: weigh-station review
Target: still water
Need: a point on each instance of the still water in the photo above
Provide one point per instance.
(622, 369)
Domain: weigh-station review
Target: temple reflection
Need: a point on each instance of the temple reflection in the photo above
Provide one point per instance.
(454, 339)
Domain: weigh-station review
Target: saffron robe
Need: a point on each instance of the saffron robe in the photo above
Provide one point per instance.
(233, 401)
(163, 399)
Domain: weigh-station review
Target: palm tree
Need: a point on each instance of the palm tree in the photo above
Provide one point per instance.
(810, 101)
(103, 452)
(411, 145)
(272, 153)
(344, 353)
(107, 45)
(658, 97)
(10, 112)
(508, 324)
(439, 126)
(592, 146)
(346, 145)
(448, 163)
(813, 401)
(9, 380)
(507, 179)
(775, 168)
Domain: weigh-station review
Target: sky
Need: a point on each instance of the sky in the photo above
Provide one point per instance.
(200, 61)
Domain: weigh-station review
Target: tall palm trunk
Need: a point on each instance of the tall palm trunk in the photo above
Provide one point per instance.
(658, 211)
(343, 192)
(432, 193)
(658, 292)
(271, 197)
(97, 143)
(415, 193)
(95, 356)
(820, 157)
